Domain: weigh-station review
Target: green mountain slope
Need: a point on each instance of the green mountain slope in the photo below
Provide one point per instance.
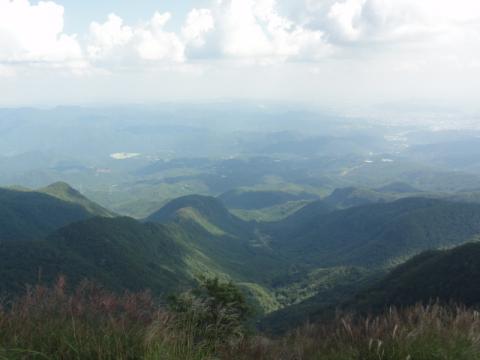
(378, 234)
(333, 286)
(339, 199)
(65, 192)
(254, 200)
(28, 215)
(205, 211)
(271, 214)
(398, 187)
(352, 196)
(201, 238)
(120, 253)
(236, 247)
(32, 215)
(316, 257)
(448, 275)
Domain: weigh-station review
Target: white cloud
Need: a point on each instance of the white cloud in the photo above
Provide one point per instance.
(155, 44)
(106, 37)
(249, 30)
(390, 21)
(199, 23)
(313, 48)
(115, 43)
(255, 30)
(34, 33)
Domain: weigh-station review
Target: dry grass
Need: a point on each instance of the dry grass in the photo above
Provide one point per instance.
(92, 323)
(418, 333)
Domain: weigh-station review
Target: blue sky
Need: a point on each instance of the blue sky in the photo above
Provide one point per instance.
(345, 53)
(80, 13)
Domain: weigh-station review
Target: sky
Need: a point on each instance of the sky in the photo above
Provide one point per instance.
(325, 52)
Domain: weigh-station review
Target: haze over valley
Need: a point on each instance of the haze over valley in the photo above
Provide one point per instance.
(239, 180)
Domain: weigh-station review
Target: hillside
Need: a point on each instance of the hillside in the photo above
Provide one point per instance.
(339, 199)
(234, 246)
(445, 275)
(198, 236)
(352, 196)
(398, 187)
(120, 253)
(65, 192)
(319, 256)
(376, 234)
(31, 215)
(254, 200)
(448, 276)
(206, 211)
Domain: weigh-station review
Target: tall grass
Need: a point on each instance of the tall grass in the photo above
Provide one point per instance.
(417, 333)
(92, 323)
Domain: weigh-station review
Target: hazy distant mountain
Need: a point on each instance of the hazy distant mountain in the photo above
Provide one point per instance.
(249, 200)
(398, 187)
(352, 196)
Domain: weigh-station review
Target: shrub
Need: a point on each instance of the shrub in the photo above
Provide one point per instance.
(216, 311)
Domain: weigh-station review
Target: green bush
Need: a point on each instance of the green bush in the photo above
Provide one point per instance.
(217, 311)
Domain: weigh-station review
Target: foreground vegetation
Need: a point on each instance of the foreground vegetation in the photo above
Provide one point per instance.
(211, 323)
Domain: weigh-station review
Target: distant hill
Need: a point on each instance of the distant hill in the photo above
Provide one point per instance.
(352, 196)
(65, 192)
(31, 215)
(300, 219)
(448, 275)
(251, 200)
(398, 187)
(206, 211)
(376, 234)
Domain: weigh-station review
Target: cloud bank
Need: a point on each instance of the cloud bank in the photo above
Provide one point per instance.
(250, 31)
(327, 47)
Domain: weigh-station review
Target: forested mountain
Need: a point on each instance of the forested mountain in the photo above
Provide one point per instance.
(449, 276)
(196, 237)
(378, 234)
(234, 245)
(31, 215)
(352, 196)
(204, 210)
(65, 192)
(250, 200)
(120, 253)
(321, 255)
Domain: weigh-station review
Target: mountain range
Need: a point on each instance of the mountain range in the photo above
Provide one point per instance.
(355, 246)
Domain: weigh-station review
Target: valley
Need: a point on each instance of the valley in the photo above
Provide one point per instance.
(304, 225)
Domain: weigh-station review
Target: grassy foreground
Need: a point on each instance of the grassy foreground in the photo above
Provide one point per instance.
(92, 323)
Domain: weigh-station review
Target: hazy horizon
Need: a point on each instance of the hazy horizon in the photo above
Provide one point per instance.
(327, 53)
